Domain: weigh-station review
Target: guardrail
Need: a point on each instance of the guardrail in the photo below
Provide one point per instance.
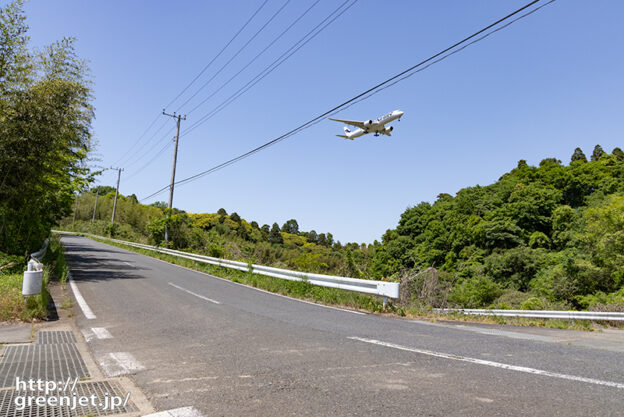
(543, 314)
(382, 288)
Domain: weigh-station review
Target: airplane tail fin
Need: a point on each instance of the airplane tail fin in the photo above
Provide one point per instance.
(346, 129)
(343, 136)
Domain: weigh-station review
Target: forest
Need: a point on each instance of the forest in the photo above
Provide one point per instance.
(541, 237)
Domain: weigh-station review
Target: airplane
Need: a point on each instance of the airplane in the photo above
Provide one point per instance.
(377, 126)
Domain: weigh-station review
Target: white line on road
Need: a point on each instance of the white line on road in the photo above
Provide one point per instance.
(178, 412)
(120, 363)
(195, 294)
(101, 333)
(243, 285)
(494, 364)
(81, 301)
(127, 263)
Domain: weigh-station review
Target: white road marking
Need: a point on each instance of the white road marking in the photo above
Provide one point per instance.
(101, 333)
(178, 412)
(127, 263)
(88, 334)
(81, 301)
(257, 289)
(242, 285)
(120, 363)
(494, 364)
(195, 294)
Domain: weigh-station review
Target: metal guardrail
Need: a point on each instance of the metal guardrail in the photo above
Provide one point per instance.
(543, 314)
(382, 288)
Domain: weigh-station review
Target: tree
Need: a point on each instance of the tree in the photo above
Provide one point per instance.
(597, 153)
(235, 217)
(274, 235)
(618, 153)
(222, 212)
(578, 155)
(291, 226)
(312, 236)
(254, 225)
(45, 133)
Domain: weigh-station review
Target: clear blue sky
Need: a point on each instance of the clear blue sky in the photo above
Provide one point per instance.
(537, 89)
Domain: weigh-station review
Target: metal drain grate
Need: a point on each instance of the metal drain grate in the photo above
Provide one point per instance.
(49, 337)
(49, 362)
(101, 390)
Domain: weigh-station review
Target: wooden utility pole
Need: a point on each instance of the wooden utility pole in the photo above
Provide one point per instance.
(173, 169)
(116, 192)
(97, 193)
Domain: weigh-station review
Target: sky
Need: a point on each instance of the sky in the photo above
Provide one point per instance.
(536, 89)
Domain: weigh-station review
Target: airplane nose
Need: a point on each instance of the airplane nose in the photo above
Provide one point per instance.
(401, 113)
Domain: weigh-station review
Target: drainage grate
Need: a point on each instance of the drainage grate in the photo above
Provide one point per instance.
(49, 362)
(49, 337)
(103, 391)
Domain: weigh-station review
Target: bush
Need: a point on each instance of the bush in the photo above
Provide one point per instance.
(475, 292)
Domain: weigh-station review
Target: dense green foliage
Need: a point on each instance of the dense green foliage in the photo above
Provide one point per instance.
(540, 237)
(221, 235)
(552, 235)
(45, 120)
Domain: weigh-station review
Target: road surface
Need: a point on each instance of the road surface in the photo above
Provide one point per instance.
(189, 339)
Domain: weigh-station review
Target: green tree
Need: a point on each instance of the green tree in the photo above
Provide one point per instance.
(45, 133)
(274, 235)
(618, 153)
(291, 226)
(597, 153)
(578, 155)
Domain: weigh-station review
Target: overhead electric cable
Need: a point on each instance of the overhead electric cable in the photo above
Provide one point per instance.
(218, 55)
(275, 64)
(256, 57)
(193, 81)
(235, 55)
(397, 77)
(138, 171)
(137, 141)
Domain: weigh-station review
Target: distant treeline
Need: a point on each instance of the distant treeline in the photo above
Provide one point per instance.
(540, 237)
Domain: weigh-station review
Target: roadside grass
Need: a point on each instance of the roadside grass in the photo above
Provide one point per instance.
(336, 297)
(13, 305)
(296, 289)
(584, 325)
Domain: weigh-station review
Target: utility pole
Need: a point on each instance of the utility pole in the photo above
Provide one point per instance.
(75, 211)
(173, 169)
(116, 192)
(97, 194)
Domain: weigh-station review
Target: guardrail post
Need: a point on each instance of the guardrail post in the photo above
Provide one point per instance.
(385, 302)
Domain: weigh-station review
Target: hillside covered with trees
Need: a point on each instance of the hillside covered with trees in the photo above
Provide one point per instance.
(550, 236)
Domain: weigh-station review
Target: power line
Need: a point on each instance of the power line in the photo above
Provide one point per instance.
(138, 140)
(135, 173)
(218, 55)
(368, 92)
(274, 65)
(256, 57)
(191, 83)
(235, 55)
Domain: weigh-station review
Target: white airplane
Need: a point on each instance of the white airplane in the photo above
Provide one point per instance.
(376, 126)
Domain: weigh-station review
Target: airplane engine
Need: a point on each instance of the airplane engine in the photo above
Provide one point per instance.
(389, 129)
(368, 123)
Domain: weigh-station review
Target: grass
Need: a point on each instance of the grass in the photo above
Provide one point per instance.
(296, 289)
(13, 305)
(336, 297)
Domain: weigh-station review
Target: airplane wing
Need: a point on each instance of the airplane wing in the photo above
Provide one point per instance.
(343, 136)
(383, 132)
(350, 122)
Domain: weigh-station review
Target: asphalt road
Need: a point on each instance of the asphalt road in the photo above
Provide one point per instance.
(230, 350)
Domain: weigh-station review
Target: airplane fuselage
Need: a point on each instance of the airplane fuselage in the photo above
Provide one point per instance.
(377, 126)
